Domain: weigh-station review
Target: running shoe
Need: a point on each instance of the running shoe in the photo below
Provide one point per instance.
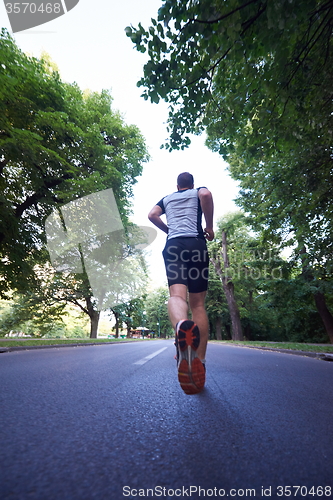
(191, 371)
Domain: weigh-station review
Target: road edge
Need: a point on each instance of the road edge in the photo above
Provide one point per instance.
(74, 344)
(317, 355)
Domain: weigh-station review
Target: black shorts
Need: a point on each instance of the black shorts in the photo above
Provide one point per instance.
(186, 263)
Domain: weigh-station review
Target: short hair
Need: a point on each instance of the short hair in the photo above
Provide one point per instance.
(185, 180)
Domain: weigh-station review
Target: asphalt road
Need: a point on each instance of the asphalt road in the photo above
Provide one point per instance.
(111, 422)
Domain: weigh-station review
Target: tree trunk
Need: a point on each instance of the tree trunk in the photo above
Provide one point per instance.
(325, 314)
(227, 329)
(237, 333)
(248, 332)
(319, 297)
(218, 329)
(248, 329)
(94, 318)
(116, 326)
(228, 287)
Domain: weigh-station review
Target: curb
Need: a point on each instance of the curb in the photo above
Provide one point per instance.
(317, 355)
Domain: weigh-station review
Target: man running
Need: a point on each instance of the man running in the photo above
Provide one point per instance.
(186, 261)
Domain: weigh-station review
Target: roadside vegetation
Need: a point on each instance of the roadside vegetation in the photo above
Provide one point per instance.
(280, 345)
(256, 76)
(63, 342)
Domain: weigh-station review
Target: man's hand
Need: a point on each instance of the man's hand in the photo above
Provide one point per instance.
(209, 234)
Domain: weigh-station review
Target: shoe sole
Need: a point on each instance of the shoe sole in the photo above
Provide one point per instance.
(191, 371)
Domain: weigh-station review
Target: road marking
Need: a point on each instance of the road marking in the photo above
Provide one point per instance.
(147, 358)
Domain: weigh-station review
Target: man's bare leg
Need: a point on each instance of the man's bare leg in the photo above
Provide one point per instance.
(191, 372)
(178, 310)
(177, 304)
(199, 316)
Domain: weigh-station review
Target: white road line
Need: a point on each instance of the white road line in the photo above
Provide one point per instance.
(147, 358)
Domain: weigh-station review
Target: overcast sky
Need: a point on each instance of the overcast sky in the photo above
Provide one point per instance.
(90, 47)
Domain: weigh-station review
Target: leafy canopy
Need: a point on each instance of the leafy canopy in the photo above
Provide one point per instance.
(234, 60)
(257, 75)
(56, 144)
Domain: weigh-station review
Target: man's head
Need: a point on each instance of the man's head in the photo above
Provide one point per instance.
(185, 181)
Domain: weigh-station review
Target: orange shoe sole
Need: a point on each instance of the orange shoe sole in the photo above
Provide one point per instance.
(192, 380)
(191, 371)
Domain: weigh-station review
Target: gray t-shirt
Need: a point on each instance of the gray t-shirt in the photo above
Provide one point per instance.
(183, 213)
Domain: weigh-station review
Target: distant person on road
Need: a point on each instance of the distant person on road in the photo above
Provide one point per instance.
(186, 261)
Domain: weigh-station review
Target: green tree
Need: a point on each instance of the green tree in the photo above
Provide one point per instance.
(33, 316)
(235, 60)
(56, 145)
(157, 313)
(40, 319)
(257, 75)
(287, 312)
(273, 296)
(217, 308)
(221, 263)
(54, 290)
(130, 313)
(243, 265)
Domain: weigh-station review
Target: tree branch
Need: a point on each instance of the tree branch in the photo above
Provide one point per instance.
(225, 16)
(308, 47)
(213, 67)
(34, 198)
(328, 4)
(72, 300)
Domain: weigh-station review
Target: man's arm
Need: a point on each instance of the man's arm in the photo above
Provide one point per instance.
(207, 205)
(155, 217)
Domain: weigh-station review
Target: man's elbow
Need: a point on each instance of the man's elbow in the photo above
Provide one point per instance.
(154, 213)
(151, 216)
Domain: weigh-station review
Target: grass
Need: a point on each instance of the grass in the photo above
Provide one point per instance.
(280, 345)
(40, 342)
